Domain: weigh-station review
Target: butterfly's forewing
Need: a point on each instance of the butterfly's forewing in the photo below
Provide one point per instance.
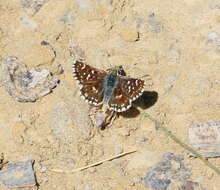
(128, 90)
(85, 74)
(90, 80)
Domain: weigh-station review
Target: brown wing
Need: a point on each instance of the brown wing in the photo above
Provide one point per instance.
(128, 90)
(85, 74)
(133, 88)
(92, 93)
(119, 102)
(90, 80)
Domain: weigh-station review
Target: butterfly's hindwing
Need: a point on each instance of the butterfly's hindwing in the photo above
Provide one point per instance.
(128, 90)
(119, 102)
(92, 93)
(133, 88)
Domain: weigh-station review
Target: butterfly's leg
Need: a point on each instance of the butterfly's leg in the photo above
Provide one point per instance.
(92, 111)
(111, 118)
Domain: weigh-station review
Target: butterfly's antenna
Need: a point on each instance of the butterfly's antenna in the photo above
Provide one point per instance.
(130, 66)
(148, 78)
(126, 67)
(145, 76)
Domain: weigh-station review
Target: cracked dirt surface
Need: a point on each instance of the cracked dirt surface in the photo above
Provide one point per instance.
(175, 42)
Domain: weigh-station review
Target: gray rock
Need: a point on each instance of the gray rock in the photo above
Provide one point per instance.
(205, 138)
(32, 6)
(18, 174)
(153, 23)
(26, 85)
(170, 168)
(28, 22)
(213, 41)
(68, 18)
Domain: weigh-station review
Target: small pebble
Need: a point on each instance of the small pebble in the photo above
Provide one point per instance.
(213, 41)
(28, 22)
(141, 139)
(118, 150)
(68, 18)
(43, 169)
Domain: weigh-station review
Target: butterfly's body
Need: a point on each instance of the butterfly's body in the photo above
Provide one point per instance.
(110, 83)
(112, 89)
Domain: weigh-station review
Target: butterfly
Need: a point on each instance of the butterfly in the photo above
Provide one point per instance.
(112, 87)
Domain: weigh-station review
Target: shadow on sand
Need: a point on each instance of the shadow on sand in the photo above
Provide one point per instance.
(148, 99)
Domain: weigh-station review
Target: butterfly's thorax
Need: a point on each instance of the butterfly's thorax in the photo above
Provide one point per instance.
(110, 82)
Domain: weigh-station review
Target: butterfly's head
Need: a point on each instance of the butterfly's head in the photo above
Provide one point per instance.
(117, 71)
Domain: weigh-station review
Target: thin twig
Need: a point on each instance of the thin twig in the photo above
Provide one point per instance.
(94, 164)
(178, 141)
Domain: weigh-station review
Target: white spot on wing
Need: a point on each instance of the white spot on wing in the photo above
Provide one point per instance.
(123, 109)
(88, 76)
(94, 89)
(129, 89)
(119, 96)
(84, 66)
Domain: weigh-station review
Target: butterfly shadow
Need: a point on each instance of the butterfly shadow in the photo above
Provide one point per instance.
(148, 99)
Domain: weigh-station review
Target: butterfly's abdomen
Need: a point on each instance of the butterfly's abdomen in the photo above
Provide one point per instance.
(110, 83)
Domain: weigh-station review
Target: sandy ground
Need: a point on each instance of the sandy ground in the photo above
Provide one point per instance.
(175, 42)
